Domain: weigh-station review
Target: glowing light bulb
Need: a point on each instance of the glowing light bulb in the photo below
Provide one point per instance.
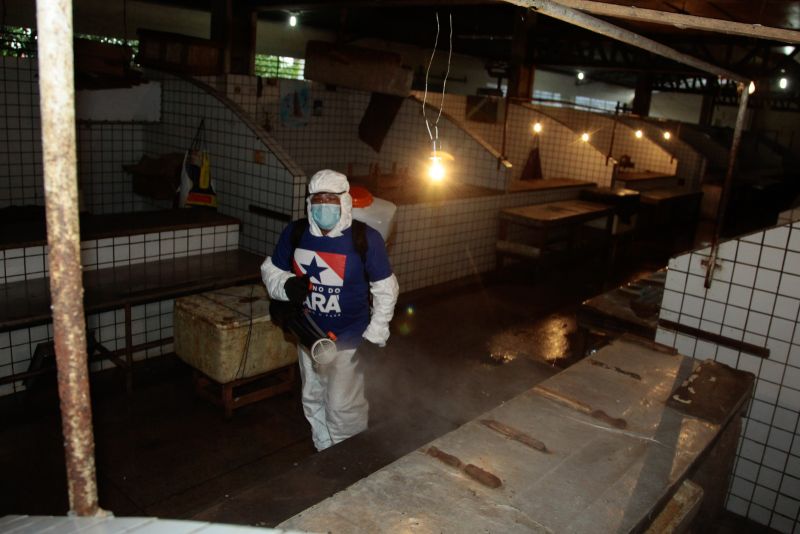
(667, 136)
(436, 169)
(292, 20)
(581, 75)
(585, 137)
(751, 88)
(537, 127)
(639, 134)
(783, 83)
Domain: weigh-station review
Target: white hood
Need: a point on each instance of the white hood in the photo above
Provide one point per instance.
(328, 181)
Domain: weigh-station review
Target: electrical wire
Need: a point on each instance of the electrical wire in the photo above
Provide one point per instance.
(427, 75)
(434, 133)
(246, 351)
(240, 369)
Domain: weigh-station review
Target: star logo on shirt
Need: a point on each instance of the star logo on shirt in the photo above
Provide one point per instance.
(313, 270)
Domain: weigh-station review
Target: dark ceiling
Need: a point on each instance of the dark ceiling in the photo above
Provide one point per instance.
(492, 29)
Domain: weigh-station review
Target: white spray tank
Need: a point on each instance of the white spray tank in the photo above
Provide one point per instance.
(376, 212)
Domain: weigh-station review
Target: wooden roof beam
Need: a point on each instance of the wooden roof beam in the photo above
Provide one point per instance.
(593, 24)
(682, 21)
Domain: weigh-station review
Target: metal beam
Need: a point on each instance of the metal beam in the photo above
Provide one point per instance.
(56, 83)
(578, 18)
(684, 21)
(726, 188)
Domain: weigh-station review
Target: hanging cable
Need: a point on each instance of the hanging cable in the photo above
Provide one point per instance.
(434, 133)
(427, 75)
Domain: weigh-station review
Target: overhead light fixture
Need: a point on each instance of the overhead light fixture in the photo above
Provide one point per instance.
(581, 75)
(585, 137)
(537, 127)
(639, 134)
(751, 88)
(437, 171)
(292, 20)
(667, 136)
(783, 83)
(788, 50)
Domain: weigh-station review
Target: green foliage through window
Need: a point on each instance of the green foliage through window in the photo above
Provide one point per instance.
(279, 67)
(16, 41)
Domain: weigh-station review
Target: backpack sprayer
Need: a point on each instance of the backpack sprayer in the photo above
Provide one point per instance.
(321, 346)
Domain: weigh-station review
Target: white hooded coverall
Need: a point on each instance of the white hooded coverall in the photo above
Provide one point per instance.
(333, 394)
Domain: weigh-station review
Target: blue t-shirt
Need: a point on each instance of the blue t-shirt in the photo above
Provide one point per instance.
(339, 300)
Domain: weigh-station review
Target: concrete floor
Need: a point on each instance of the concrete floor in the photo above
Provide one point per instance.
(160, 452)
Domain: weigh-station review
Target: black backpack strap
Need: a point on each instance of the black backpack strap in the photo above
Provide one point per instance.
(298, 229)
(360, 240)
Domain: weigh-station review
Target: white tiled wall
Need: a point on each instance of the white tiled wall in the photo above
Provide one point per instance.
(330, 139)
(644, 153)
(103, 148)
(28, 263)
(562, 154)
(150, 322)
(247, 164)
(691, 164)
(21, 177)
(754, 297)
(437, 243)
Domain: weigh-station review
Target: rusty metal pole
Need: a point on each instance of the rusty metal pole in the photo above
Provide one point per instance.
(711, 264)
(56, 86)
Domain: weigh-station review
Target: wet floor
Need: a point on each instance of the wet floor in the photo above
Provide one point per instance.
(161, 452)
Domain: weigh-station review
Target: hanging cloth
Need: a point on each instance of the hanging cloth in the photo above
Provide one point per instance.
(197, 188)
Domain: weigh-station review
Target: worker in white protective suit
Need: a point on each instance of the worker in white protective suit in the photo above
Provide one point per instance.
(330, 265)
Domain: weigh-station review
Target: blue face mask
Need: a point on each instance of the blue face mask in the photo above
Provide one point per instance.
(326, 215)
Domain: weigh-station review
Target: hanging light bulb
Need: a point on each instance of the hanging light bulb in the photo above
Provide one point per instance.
(783, 83)
(751, 88)
(581, 75)
(667, 136)
(639, 134)
(585, 137)
(436, 170)
(537, 127)
(293, 20)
